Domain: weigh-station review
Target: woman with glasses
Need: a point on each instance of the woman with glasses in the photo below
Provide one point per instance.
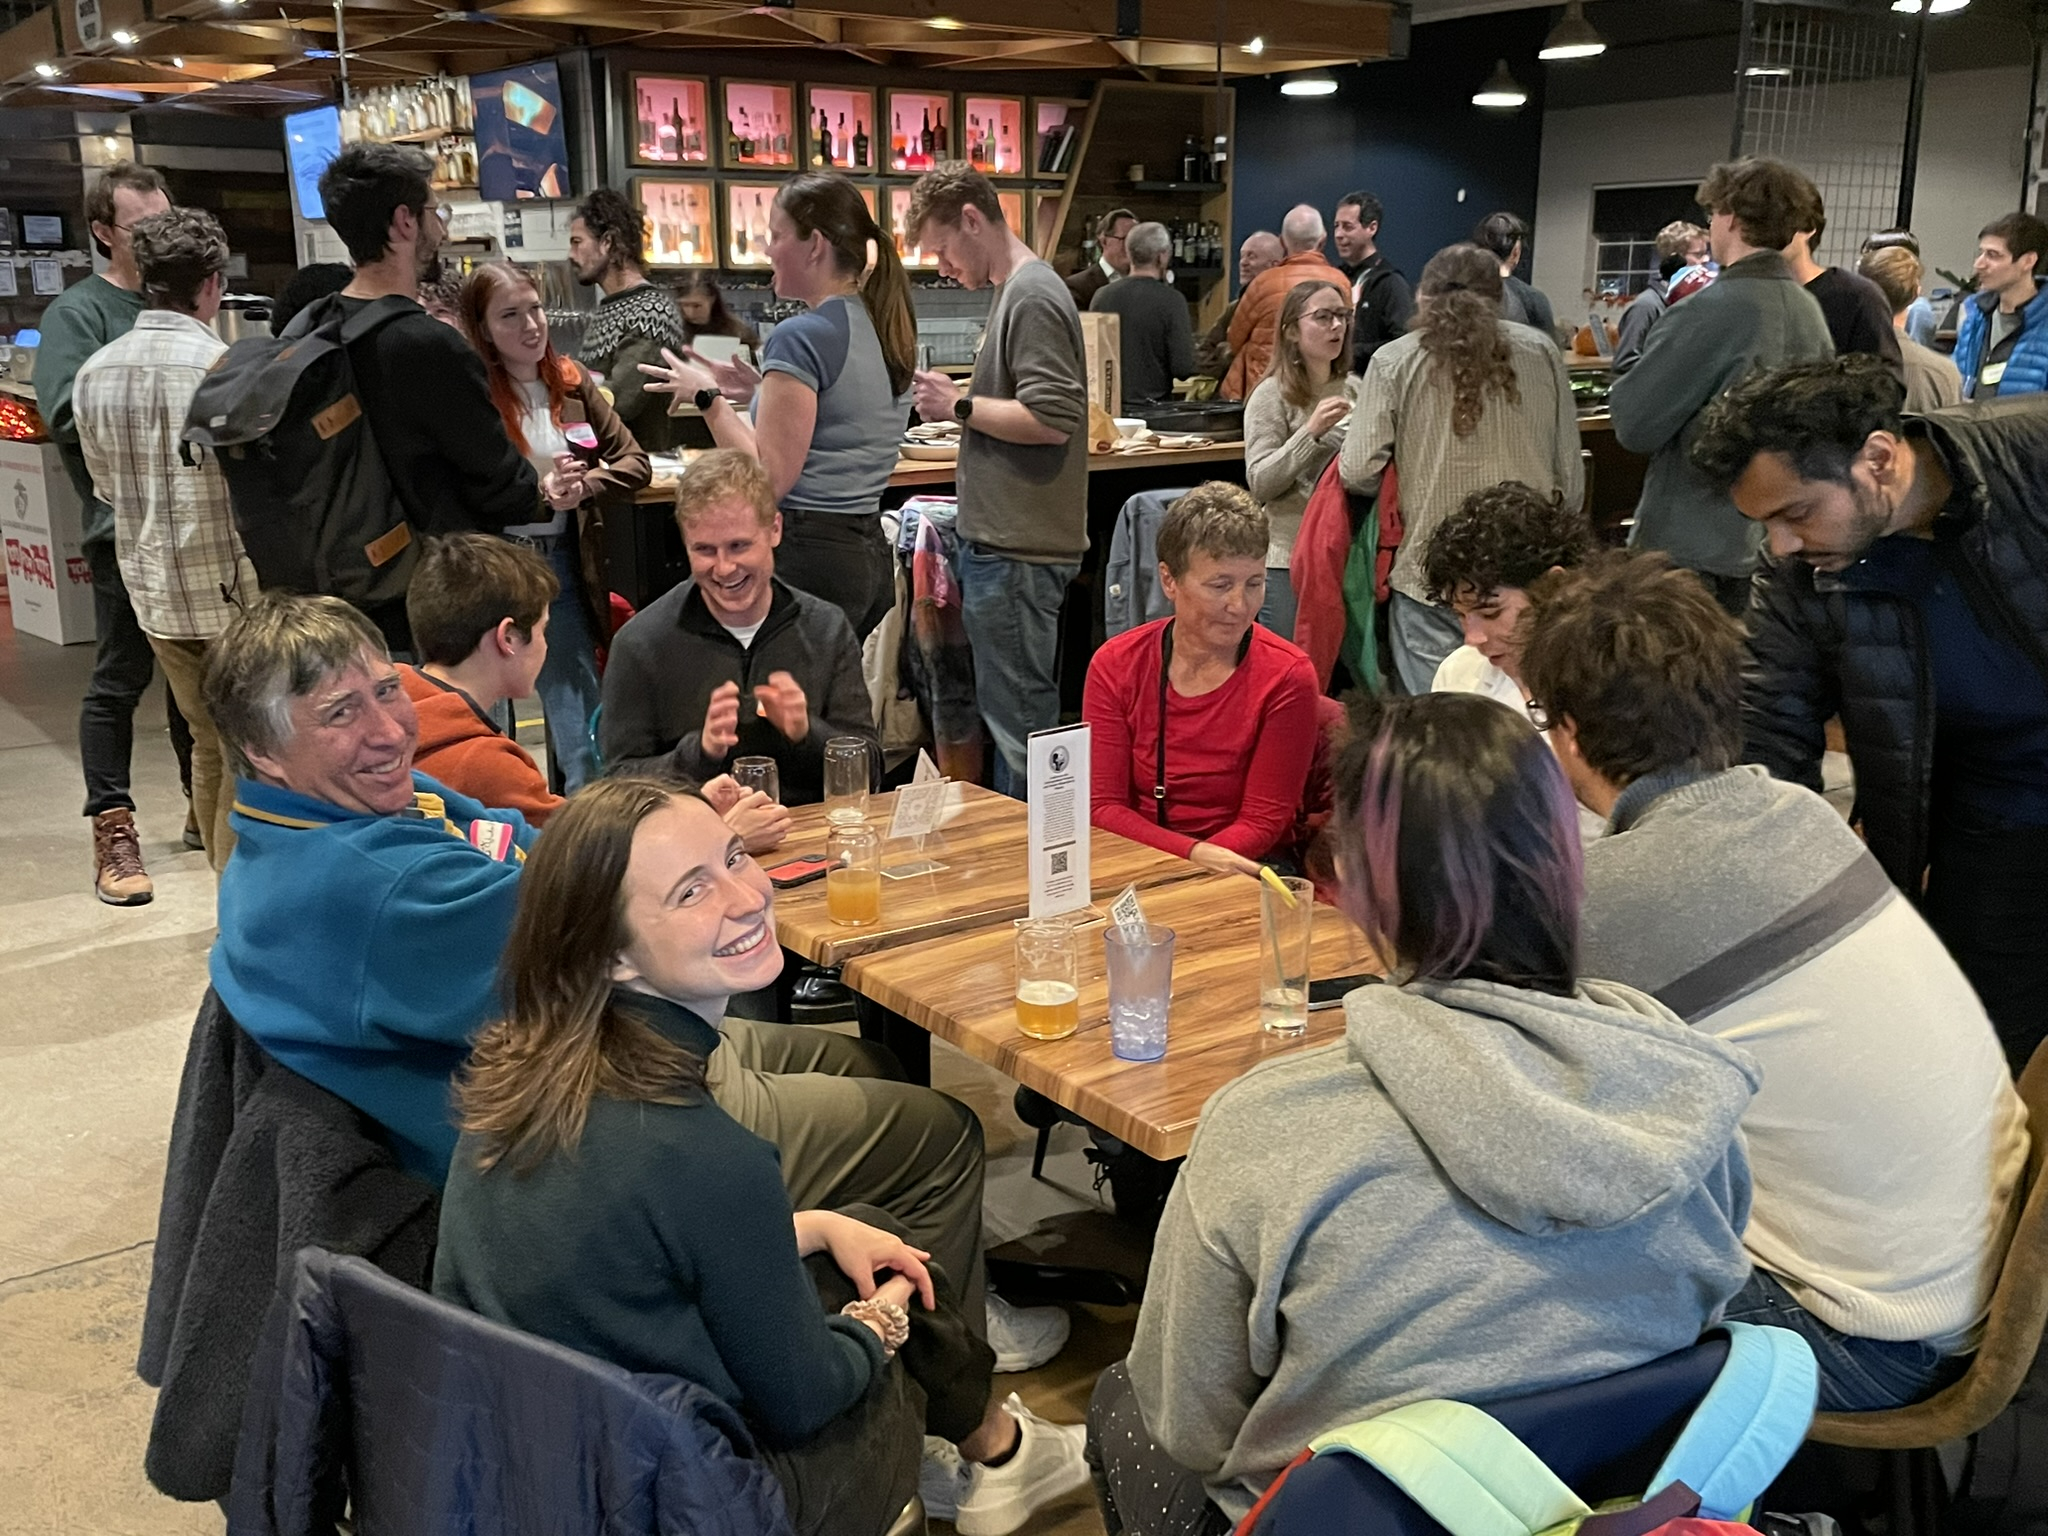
(1504, 1178)
(1294, 425)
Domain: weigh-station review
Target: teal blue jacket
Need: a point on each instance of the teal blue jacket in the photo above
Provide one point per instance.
(362, 951)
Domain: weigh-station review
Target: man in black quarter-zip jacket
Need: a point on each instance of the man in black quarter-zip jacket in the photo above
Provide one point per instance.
(732, 663)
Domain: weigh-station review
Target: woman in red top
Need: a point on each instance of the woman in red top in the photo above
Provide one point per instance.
(1239, 702)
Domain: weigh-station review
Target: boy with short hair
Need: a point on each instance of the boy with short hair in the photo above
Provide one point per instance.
(478, 607)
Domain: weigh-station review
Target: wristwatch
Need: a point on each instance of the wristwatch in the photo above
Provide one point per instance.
(963, 407)
(704, 399)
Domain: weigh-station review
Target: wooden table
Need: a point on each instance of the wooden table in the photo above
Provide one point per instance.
(915, 473)
(962, 989)
(984, 883)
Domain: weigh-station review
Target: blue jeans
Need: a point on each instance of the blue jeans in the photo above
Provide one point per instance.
(1278, 612)
(568, 685)
(1423, 635)
(1011, 609)
(1856, 1375)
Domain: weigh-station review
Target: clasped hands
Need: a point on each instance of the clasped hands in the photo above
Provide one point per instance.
(862, 1252)
(780, 701)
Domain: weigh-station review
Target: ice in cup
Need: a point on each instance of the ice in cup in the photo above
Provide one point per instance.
(1139, 960)
(1286, 924)
(1048, 979)
(853, 883)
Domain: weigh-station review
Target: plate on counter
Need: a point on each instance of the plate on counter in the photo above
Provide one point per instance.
(930, 452)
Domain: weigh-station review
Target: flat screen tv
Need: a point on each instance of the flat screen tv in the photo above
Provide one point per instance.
(311, 139)
(522, 151)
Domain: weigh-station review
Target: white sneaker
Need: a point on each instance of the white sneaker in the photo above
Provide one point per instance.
(1024, 1338)
(1049, 1465)
(942, 1480)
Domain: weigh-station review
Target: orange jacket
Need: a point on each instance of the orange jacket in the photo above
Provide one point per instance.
(1258, 313)
(462, 748)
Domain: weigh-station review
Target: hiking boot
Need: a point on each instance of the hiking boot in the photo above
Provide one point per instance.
(118, 875)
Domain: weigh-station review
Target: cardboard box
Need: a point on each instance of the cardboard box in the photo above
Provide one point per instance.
(48, 583)
(1102, 340)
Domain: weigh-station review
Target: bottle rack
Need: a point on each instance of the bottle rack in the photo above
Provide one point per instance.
(920, 130)
(678, 221)
(761, 129)
(746, 223)
(839, 129)
(671, 120)
(436, 114)
(996, 142)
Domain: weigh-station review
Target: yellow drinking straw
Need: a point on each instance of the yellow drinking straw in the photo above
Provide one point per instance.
(1266, 874)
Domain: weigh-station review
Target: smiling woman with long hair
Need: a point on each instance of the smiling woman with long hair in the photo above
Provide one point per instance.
(540, 395)
(1462, 402)
(601, 1197)
(1504, 1178)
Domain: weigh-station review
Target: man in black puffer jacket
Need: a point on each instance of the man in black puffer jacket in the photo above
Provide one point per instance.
(1908, 593)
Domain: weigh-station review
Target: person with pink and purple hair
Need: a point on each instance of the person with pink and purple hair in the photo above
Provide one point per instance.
(1504, 1178)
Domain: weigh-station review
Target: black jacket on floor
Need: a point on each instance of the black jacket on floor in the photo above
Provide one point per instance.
(262, 1163)
(673, 655)
(1819, 645)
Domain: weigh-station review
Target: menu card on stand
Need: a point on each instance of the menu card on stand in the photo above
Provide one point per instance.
(920, 808)
(1059, 787)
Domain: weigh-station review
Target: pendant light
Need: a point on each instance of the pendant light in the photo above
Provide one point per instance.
(1573, 37)
(1500, 90)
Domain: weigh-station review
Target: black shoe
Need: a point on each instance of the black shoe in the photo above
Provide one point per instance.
(1138, 1185)
(820, 997)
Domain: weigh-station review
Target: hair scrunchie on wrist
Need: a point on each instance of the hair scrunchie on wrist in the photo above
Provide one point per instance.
(890, 1320)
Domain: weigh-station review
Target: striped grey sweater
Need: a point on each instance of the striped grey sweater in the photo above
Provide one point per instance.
(1886, 1140)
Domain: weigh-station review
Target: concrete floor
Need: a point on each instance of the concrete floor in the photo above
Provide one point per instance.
(98, 1004)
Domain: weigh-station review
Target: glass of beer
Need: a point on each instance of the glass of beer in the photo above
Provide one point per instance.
(853, 884)
(848, 775)
(1048, 979)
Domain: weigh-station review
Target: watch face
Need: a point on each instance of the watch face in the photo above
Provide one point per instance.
(963, 407)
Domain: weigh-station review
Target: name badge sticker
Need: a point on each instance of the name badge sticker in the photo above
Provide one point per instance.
(493, 839)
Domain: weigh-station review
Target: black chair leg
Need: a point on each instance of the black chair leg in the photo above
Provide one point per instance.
(1038, 1152)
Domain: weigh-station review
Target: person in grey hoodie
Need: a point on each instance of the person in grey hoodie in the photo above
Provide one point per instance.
(1504, 1178)
(1755, 315)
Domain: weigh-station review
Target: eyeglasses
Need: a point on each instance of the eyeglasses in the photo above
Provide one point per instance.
(1326, 316)
(441, 211)
(1119, 239)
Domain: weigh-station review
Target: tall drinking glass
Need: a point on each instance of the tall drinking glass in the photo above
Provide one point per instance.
(1286, 923)
(758, 773)
(1048, 979)
(847, 777)
(853, 884)
(1140, 966)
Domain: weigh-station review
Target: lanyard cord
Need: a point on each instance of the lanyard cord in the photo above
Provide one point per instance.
(1244, 648)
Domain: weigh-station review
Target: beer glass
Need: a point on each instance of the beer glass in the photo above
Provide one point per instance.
(1048, 979)
(847, 777)
(853, 885)
(758, 773)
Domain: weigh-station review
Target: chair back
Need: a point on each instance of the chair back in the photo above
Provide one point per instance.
(1604, 1439)
(2012, 1330)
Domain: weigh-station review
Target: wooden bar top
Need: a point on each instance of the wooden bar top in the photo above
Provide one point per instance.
(927, 472)
(963, 988)
(985, 880)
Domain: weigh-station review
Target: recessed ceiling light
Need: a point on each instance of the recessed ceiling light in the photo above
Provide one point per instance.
(47, 70)
(1573, 37)
(1769, 71)
(1256, 46)
(1501, 89)
(1309, 85)
(125, 38)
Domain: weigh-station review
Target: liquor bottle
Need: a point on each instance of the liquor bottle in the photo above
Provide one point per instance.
(1007, 160)
(939, 145)
(643, 125)
(1190, 160)
(821, 151)
(925, 140)
(845, 144)
(1180, 243)
(897, 158)
(693, 135)
(758, 227)
(974, 143)
(747, 145)
(781, 141)
(732, 140)
(860, 143)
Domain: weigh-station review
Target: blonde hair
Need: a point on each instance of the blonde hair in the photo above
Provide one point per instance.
(720, 477)
(1896, 271)
(1216, 519)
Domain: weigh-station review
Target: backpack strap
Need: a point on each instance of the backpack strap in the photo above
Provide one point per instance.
(1750, 1422)
(1463, 1466)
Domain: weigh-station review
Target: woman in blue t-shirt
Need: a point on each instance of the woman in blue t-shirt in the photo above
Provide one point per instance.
(832, 397)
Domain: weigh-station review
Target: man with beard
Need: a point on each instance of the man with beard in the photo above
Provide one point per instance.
(1909, 594)
(421, 384)
(635, 319)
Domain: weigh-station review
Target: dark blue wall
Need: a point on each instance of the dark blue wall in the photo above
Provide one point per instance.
(1405, 131)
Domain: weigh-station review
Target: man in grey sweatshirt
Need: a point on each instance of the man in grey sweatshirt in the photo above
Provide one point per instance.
(1755, 315)
(1887, 1140)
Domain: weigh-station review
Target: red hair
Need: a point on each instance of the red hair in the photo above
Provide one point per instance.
(480, 290)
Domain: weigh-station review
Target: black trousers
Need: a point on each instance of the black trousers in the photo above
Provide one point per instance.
(1987, 896)
(843, 559)
(1139, 1488)
(855, 1475)
(121, 671)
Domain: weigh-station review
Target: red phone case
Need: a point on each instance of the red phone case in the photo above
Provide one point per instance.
(800, 871)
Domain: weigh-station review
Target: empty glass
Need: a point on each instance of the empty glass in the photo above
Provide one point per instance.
(853, 885)
(1140, 966)
(1048, 979)
(758, 773)
(847, 777)
(1286, 925)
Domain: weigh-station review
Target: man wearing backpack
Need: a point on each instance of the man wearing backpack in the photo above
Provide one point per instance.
(423, 389)
(175, 539)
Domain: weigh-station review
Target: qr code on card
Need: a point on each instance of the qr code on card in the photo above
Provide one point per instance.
(1059, 862)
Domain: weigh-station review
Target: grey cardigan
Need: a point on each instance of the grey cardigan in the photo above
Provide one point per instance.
(1755, 315)
(1282, 462)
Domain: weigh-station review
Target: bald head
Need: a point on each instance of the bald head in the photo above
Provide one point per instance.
(1302, 230)
(1261, 249)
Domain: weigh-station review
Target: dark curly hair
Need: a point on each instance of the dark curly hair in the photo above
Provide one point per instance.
(1818, 415)
(1769, 200)
(1460, 323)
(1504, 536)
(614, 223)
(1644, 663)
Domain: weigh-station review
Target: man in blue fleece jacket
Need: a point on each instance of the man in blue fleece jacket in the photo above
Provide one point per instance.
(366, 905)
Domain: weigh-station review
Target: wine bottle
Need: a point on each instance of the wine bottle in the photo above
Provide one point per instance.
(925, 138)
(897, 155)
(821, 152)
(781, 141)
(759, 226)
(939, 146)
(974, 142)
(732, 141)
(1007, 160)
(1190, 160)
(643, 126)
(860, 143)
